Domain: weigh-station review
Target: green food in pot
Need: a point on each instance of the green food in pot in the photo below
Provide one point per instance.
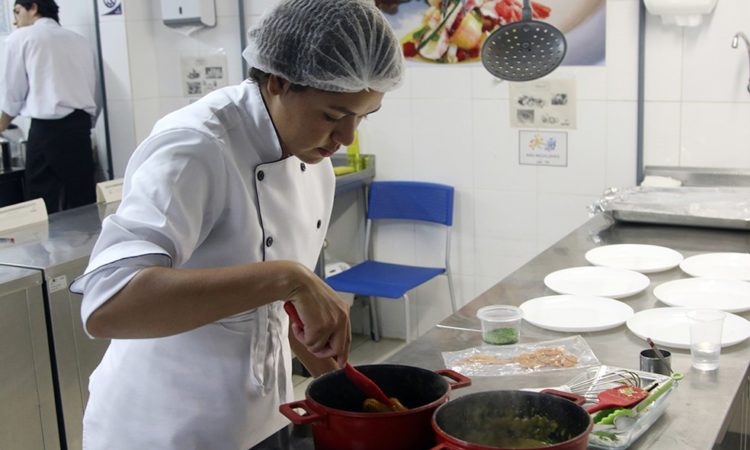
(499, 336)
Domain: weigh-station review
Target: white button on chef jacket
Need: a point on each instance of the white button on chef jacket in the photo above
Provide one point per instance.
(207, 188)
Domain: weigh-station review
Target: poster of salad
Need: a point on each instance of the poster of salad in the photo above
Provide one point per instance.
(452, 31)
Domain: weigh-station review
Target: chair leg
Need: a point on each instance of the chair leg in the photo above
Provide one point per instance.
(372, 305)
(452, 292)
(407, 317)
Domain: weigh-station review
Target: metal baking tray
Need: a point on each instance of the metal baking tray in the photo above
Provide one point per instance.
(714, 207)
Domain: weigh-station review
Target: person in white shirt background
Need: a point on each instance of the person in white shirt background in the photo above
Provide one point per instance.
(49, 75)
(224, 211)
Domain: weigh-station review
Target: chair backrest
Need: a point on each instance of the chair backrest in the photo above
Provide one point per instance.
(411, 200)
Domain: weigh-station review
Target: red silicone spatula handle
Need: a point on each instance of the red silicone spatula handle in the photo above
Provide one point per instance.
(360, 380)
(619, 397)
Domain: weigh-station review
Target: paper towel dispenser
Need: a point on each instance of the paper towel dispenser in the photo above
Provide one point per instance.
(685, 13)
(178, 13)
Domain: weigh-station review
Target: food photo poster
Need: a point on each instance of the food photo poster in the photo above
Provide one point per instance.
(453, 31)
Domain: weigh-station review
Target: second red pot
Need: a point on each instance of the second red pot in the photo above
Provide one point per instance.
(510, 420)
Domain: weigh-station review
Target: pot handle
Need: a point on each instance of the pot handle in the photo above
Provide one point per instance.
(287, 409)
(575, 398)
(459, 380)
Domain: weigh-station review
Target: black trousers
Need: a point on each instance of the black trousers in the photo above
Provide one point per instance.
(60, 162)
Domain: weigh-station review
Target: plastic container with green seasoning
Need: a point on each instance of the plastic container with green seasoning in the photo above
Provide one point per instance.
(501, 324)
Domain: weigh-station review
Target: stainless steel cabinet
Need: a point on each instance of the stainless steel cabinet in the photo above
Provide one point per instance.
(60, 256)
(27, 405)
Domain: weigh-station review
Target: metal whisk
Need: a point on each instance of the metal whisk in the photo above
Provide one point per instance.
(590, 384)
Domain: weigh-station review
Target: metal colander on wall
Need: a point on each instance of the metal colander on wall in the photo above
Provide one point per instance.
(524, 50)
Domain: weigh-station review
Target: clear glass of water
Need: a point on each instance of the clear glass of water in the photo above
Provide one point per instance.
(705, 337)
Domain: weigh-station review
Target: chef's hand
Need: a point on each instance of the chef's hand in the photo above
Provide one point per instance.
(325, 330)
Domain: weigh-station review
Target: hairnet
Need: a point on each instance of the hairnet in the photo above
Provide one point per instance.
(332, 45)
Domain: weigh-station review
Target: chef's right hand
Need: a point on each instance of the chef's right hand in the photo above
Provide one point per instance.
(326, 330)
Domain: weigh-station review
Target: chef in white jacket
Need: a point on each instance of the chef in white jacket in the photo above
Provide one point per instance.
(224, 211)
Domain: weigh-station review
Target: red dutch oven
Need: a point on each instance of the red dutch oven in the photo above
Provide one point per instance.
(511, 420)
(334, 408)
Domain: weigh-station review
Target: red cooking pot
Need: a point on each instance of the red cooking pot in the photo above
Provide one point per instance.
(511, 420)
(333, 405)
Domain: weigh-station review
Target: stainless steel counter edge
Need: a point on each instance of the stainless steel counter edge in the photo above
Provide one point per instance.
(697, 411)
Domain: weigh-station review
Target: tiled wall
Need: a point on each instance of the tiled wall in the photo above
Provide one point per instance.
(451, 125)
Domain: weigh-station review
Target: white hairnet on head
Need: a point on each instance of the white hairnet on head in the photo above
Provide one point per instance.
(332, 45)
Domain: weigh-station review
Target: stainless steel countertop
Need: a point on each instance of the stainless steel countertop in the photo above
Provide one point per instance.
(697, 413)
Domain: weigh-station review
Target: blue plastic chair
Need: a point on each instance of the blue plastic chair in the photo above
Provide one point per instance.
(399, 200)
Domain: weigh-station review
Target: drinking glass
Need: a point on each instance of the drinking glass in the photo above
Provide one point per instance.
(705, 337)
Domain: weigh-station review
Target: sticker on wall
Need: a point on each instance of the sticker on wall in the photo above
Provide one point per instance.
(110, 7)
(543, 148)
(543, 104)
(201, 75)
(453, 31)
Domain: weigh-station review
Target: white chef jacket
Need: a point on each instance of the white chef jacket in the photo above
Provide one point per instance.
(47, 72)
(207, 188)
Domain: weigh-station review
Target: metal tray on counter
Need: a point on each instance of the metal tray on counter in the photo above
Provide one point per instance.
(714, 207)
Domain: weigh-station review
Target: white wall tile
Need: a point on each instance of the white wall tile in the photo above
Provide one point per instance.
(622, 50)
(141, 10)
(496, 164)
(559, 215)
(591, 81)
(115, 59)
(258, 7)
(498, 257)
(485, 85)
(226, 8)
(587, 149)
(388, 134)
(169, 104)
(622, 144)
(121, 133)
(715, 135)
(146, 113)
(443, 144)
(142, 59)
(713, 71)
(169, 47)
(663, 61)
(440, 81)
(74, 12)
(505, 215)
(661, 133)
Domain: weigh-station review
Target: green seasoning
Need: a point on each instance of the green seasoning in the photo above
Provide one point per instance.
(500, 336)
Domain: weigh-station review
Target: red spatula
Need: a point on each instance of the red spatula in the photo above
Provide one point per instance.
(618, 397)
(357, 378)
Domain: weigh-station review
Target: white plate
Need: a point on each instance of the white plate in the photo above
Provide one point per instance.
(575, 312)
(727, 266)
(670, 327)
(727, 295)
(597, 281)
(639, 257)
